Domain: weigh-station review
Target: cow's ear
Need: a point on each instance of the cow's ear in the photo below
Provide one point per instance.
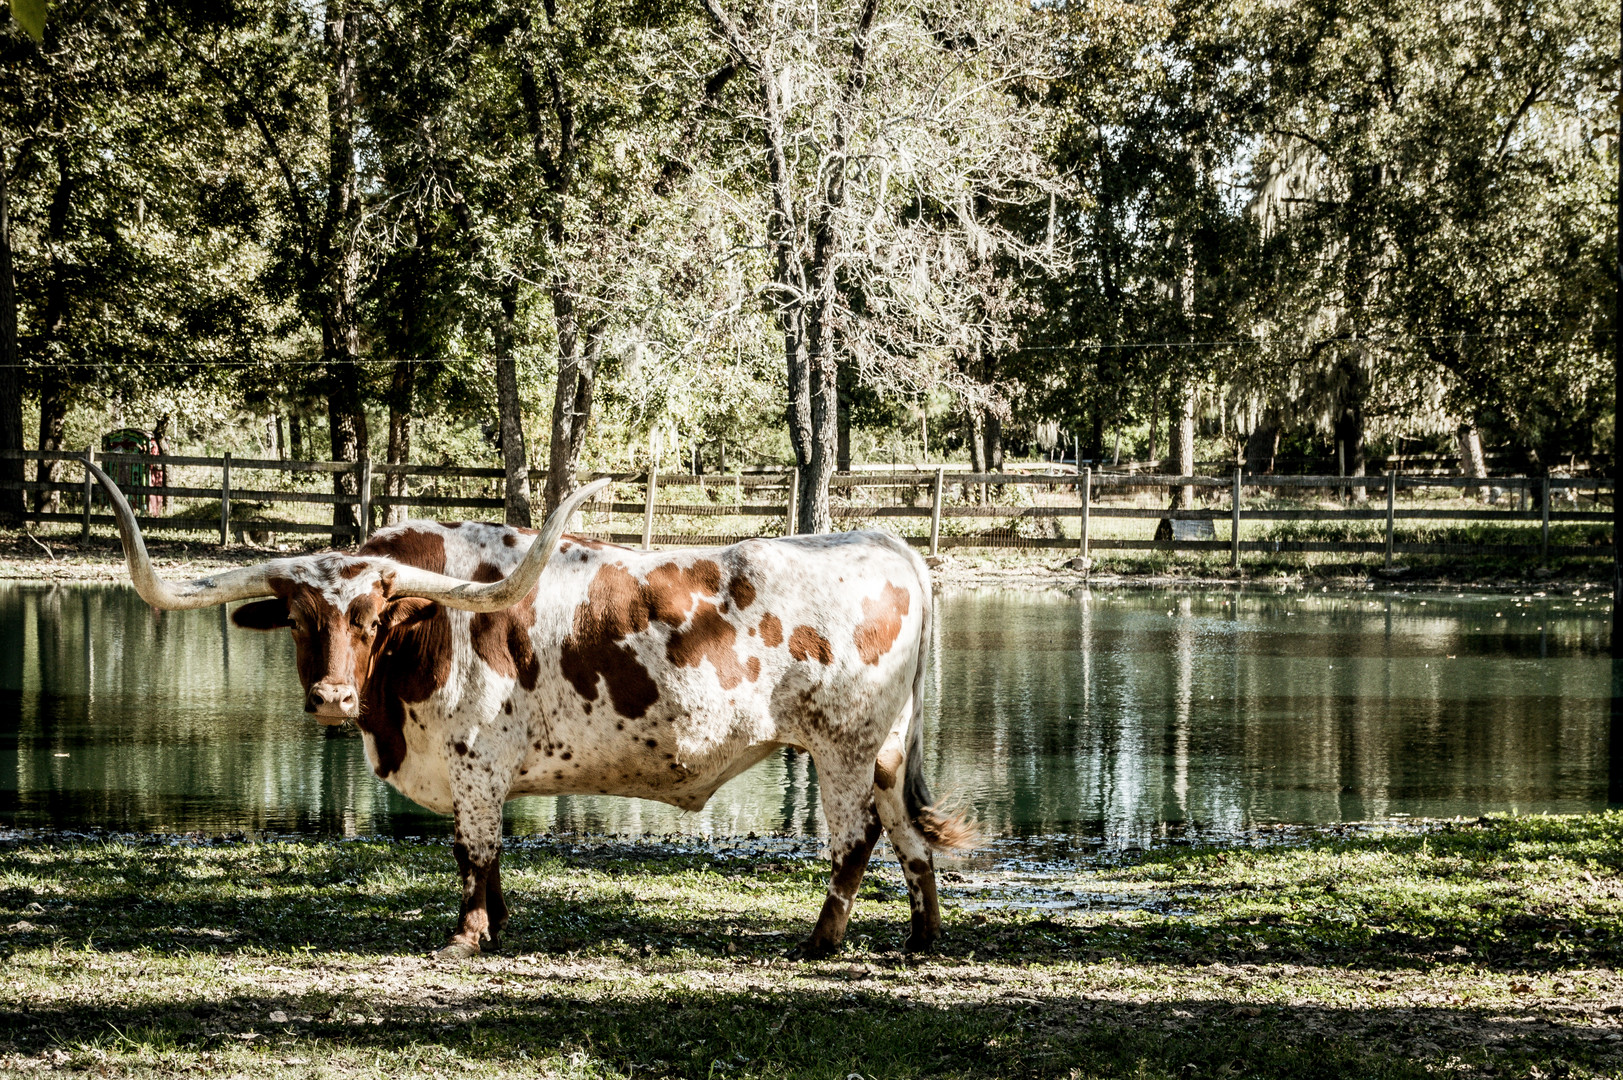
(405, 612)
(263, 615)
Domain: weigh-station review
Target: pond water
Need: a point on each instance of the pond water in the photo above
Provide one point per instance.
(1114, 716)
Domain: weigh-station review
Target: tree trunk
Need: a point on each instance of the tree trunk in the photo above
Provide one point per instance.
(11, 395)
(295, 434)
(347, 430)
(54, 392)
(1155, 420)
(992, 438)
(1261, 446)
(160, 476)
(843, 456)
(977, 452)
(408, 351)
(402, 392)
(806, 305)
(1350, 435)
(53, 413)
(816, 516)
(340, 332)
(1472, 461)
(572, 396)
(509, 406)
(992, 443)
(1181, 452)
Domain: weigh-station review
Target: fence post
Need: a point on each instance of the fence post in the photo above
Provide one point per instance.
(1544, 513)
(1234, 525)
(363, 469)
(225, 499)
(794, 501)
(935, 511)
(1391, 512)
(1087, 499)
(90, 492)
(648, 510)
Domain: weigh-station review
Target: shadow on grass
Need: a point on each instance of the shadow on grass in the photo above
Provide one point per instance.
(1519, 896)
(694, 1032)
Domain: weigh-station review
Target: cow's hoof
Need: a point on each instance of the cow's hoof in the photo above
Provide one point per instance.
(812, 949)
(457, 950)
(919, 943)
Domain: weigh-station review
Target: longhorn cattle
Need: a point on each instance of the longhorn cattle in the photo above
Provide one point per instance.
(482, 663)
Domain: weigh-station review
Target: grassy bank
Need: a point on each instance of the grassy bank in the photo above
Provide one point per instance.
(1480, 949)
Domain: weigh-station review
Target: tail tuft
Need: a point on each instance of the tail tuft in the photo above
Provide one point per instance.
(946, 831)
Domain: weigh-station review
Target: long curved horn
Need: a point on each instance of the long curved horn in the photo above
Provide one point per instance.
(243, 584)
(496, 595)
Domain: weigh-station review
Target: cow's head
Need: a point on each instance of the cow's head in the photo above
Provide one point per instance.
(338, 606)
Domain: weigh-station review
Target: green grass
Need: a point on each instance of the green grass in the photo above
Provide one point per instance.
(1468, 949)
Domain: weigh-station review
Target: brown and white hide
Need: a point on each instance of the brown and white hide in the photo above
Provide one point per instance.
(659, 675)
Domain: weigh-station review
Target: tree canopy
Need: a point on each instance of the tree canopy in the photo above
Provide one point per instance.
(613, 234)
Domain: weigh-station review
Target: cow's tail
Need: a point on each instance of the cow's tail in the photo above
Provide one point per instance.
(946, 830)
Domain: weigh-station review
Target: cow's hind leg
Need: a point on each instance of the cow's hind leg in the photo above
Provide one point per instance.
(911, 847)
(853, 829)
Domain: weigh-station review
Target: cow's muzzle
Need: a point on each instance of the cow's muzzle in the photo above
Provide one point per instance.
(332, 702)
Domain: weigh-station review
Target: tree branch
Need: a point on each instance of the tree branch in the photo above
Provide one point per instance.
(301, 209)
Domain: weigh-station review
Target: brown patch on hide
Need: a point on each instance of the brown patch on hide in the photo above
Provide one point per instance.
(411, 659)
(410, 546)
(614, 609)
(509, 540)
(753, 668)
(741, 590)
(712, 638)
(881, 623)
(351, 568)
(849, 867)
(502, 638)
(670, 589)
(886, 768)
(771, 631)
(807, 644)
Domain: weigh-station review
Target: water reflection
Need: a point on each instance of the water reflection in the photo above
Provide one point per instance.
(1120, 715)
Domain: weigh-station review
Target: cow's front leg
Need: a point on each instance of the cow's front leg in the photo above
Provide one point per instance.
(478, 851)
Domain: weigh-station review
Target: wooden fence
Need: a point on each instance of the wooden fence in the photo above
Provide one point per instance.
(1087, 496)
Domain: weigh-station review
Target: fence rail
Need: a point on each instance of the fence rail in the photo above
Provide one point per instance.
(363, 490)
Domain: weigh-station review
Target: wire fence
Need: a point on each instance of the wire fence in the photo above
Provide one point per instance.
(259, 500)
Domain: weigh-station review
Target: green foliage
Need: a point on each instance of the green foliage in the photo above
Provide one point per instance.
(1299, 212)
(30, 15)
